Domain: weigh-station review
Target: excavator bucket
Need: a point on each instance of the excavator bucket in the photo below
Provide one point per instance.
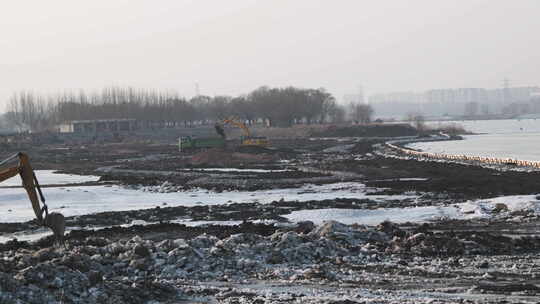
(56, 222)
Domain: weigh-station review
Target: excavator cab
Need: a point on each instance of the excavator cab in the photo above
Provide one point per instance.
(54, 221)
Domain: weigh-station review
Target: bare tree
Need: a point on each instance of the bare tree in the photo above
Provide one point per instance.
(336, 113)
(282, 106)
(417, 120)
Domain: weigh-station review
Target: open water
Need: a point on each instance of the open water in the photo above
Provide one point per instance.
(517, 139)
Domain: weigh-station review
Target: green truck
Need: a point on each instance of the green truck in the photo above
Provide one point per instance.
(189, 142)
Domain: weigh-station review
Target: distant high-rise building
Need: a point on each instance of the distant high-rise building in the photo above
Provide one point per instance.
(450, 101)
(506, 90)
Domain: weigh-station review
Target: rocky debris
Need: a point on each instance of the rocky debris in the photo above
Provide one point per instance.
(390, 228)
(165, 187)
(304, 227)
(135, 270)
(85, 272)
(95, 277)
(44, 254)
(141, 251)
(423, 241)
(507, 287)
(96, 241)
(348, 235)
(500, 207)
(427, 245)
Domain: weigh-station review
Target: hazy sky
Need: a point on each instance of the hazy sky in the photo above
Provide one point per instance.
(234, 46)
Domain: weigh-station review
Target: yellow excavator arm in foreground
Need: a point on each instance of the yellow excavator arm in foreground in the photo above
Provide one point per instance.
(55, 221)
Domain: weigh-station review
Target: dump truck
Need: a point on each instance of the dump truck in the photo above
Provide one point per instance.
(190, 142)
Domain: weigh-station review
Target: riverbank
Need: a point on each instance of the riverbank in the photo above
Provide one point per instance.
(457, 231)
(521, 146)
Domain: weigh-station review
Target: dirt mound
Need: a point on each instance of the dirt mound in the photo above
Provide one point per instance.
(225, 158)
(253, 150)
(364, 147)
(212, 156)
(379, 130)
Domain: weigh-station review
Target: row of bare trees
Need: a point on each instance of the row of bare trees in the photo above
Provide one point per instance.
(274, 106)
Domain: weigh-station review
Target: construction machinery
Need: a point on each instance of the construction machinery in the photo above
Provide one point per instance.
(247, 139)
(190, 142)
(54, 221)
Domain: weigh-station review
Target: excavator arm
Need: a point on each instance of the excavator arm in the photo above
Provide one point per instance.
(54, 221)
(248, 139)
(240, 125)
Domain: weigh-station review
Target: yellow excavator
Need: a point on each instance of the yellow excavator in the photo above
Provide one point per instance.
(247, 139)
(55, 221)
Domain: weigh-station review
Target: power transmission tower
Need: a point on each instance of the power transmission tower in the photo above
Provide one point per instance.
(506, 90)
(197, 89)
(360, 94)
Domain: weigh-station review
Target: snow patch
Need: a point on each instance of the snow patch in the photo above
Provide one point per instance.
(487, 208)
(80, 200)
(238, 170)
(375, 217)
(49, 177)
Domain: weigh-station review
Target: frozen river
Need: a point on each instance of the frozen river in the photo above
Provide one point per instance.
(79, 200)
(518, 139)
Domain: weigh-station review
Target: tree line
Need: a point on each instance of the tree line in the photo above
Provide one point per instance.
(272, 106)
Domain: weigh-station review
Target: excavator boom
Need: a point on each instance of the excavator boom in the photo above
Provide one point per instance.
(55, 221)
(240, 125)
(247, 139)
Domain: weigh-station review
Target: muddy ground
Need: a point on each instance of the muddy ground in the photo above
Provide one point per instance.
(142, 256)
(458, 181)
